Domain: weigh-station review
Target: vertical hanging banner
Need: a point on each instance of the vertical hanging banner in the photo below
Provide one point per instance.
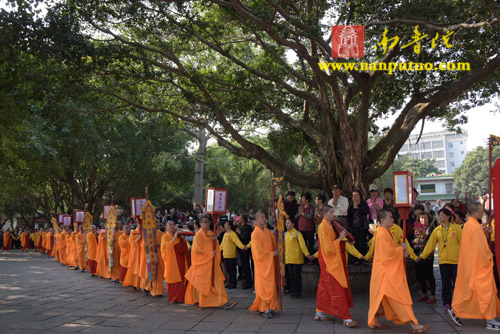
(149, 237)
(110, 233)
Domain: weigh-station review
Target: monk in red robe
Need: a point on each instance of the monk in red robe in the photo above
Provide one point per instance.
(264, 253)
(154, 287)
(7, 240)
(205, 277)
(334, 292)
(102, 256)
(176, 259)
(389, 293)
(123, 242)
(475, 294)
(92, 250)
(132, 275)
(115, 269)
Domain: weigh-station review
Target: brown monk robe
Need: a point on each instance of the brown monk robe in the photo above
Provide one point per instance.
(389, 293)
(156, 286)
(263, 253)
(475, 294)
(92, 250)
(61, 245)
(102, 256)
(115, 269)
(25, 241)
(176, 259)
(7, 240)
(123, 241)
(204, 269)
(132, 275)
(80, 249)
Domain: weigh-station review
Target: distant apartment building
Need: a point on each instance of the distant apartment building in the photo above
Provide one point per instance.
(448, 149)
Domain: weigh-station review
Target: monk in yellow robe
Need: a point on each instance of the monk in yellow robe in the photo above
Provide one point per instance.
(155, 287)
(263, 253)
(61, 245)
(132, 275)
(115, 269)
(92, 250)
(205, 277)
(80, 249)
(25, 240)
(176, 259)
(7, 240)
(123, 242)
(389, 293)
(102, 256)
(475, 294)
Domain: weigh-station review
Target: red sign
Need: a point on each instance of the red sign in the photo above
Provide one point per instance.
(348, 41)
(216, 201)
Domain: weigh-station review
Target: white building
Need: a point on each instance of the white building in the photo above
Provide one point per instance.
(447, 148)
(432, 188)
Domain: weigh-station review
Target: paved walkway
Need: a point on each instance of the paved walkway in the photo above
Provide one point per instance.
(39, 295)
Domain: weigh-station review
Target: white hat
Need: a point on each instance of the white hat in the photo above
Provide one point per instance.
(373, 187)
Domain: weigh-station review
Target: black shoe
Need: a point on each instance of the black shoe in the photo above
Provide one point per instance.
(230, 286)
(247, 286)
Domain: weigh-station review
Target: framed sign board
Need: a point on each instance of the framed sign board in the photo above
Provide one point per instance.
(78, 216)
(216, 201)
(67, 220)
(403, 188)
(105, 211)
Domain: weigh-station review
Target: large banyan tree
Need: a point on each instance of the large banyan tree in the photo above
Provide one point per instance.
(247, 70)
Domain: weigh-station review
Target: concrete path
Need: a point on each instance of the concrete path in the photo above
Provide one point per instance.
(39, 295)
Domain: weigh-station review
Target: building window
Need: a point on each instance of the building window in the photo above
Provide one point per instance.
(438, 154)
(427, 188)
(427, 155)
(461, 142)
(462, 152)
(452, 164)
(426, 145)
(450, 144)
(437, 144)
(439, 164)
(449, 188)
(451, 154)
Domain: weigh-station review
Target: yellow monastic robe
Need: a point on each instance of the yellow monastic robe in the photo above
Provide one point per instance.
(115, 270)
(155, 287)
(80, 251)
(102, 256)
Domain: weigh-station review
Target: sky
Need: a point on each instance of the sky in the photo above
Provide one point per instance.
(482, 123)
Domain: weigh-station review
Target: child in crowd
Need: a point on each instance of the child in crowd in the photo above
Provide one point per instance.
(425, 268)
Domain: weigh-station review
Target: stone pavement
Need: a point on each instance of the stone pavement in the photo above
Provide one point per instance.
(39, 295)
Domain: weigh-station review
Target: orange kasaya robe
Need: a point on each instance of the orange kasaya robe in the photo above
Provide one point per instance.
(49, 244)
(156, 286)
(115, 270)
(475, 294)
(25, 241)
(263, 247)
(7, 240)
(334, 292)
(80, 251)
(92, 252)
(175, 255)
(203, 270)
(102, 256)
(70, 250)
(388, 285)
(57, 237)
(37, 240)
(132, 276)
(74, 248)
(123, 242)
(44, 242)
(61, 245)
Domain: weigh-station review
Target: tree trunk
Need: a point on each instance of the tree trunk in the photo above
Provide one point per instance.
(202, 138)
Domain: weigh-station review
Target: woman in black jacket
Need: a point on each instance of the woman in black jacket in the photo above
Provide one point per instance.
(357, 219)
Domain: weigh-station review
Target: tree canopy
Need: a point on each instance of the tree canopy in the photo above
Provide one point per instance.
(231, 66)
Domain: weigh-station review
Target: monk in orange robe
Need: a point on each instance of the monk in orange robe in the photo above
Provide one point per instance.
(44, 242)
(123, 242)
(263, 254)
(176, 259)
(115, 269)
(57, 236)
(80, 249)
(61, 244)
(475, 294)
(70, 258)
(389, 293)
(92, 250)
(38, 240)
(156, 286)
(7, 240)
(333, 297)
(205, 277)
(132, 275)
(25, 241)
(49, 244)
(102, 256)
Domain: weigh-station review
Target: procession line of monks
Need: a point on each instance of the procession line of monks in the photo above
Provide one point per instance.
(196, 276)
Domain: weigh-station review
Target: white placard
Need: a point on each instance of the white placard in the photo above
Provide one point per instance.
(220, 201)
(79, 216)
(105, 211)
(67, 220)
(60, 218)
(132, 207)
(401, 189)
(210, 200)
(139, 203)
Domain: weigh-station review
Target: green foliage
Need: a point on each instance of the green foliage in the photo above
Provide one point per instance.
(472, 176)
(418, 167)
